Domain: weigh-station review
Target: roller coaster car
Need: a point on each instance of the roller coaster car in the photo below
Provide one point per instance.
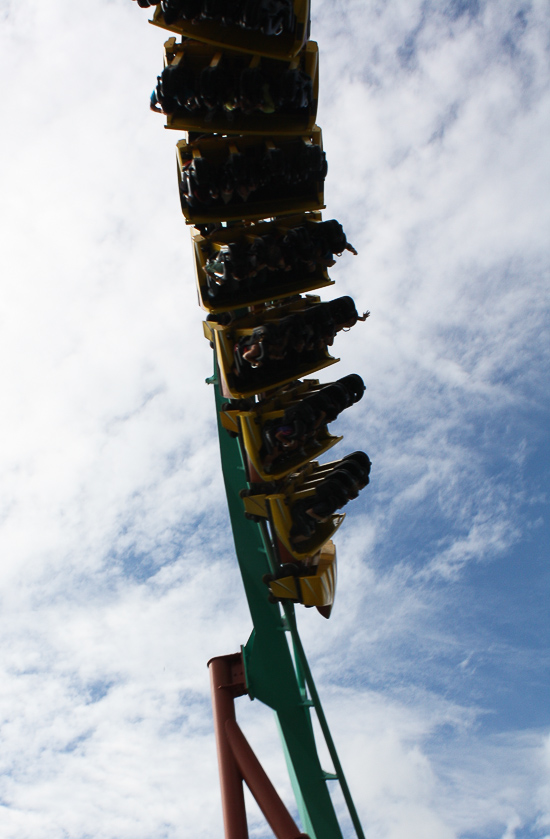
(268, 285)
(203, 88)
(275, 506)
(224, 339)
(249, 178)
(312, 584)
(285, 42)
(251, 427)
(281, 434)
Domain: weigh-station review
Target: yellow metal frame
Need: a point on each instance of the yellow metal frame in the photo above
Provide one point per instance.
(217, 150)
(250, 41)
(198, 56)
(316, 279)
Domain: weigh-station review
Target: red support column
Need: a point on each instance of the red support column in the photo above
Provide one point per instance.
(267, 797)
(225, 686)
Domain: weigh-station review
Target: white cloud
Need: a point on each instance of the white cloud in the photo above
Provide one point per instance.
(118, 574)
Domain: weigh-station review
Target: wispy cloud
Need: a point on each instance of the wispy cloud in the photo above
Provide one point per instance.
(118, 574)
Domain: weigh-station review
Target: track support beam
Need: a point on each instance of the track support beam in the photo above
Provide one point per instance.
(237, 761)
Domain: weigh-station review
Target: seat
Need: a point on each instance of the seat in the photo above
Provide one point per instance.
(222, 91)
(286, 44)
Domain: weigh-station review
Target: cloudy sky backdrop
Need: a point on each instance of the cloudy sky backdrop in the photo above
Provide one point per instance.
(118, 578)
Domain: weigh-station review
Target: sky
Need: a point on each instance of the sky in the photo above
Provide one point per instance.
(118, 579)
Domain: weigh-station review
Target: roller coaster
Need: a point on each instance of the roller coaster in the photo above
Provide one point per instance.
(241, 81)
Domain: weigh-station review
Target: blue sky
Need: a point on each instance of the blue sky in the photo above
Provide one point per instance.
(118, 579)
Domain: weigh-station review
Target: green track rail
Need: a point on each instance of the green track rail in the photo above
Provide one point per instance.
(276, 675)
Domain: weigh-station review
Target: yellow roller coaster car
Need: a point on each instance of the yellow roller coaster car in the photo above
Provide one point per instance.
(226, 337)
(275, 506)
(255, 425)
(232, 93)
(286, 44)
(250, 178)
(312, 583)
(251, 427)
(273, 285)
